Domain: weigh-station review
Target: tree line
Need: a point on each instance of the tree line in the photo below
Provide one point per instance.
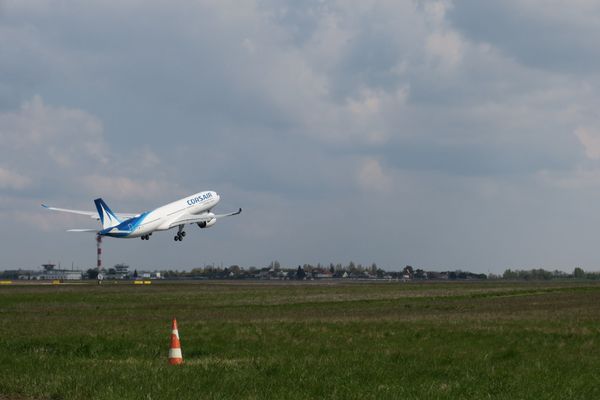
(352, 270)
(540, 274)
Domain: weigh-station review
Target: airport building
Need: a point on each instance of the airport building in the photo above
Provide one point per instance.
(119, 271)
(50, 273)
(122, 269)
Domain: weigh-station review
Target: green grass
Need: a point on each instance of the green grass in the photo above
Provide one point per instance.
(296, 341)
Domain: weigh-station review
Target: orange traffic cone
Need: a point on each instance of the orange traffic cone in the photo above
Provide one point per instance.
(175, 356)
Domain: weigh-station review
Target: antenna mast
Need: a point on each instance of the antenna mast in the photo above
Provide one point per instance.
(99, 247)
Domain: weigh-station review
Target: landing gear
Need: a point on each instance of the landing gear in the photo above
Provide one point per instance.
(146, 237)
(180, 234)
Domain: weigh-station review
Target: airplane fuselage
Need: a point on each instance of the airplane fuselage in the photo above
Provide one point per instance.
(193, 210)
(179, 212)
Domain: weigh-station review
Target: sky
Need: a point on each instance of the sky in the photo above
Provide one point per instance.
(441, 134)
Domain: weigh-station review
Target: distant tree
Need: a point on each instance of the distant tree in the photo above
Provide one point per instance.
(539, 274)
(510, 274)
(170, 274)
(331, 268)
(578, 273)
(351, 267)
(92, 273)
(530, 275)
(135, 273)
(559, 274)
(592, 275)
(300, 274)
(112, 271)
(9, 274)
(373, 268)
(408, 270)
(420, 274)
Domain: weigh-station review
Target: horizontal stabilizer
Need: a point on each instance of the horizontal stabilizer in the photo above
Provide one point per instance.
(91, 214)
(83, 230)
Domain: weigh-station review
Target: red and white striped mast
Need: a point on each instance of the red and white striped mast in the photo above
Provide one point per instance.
(99, 247)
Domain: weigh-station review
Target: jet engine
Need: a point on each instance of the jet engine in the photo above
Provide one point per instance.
(208, 224)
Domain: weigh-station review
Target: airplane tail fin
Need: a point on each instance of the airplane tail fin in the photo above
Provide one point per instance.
(107, 217)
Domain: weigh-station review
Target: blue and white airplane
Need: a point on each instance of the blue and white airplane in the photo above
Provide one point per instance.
(194, 209)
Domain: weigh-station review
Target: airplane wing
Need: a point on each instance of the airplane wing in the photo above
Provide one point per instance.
(228, 215)
(91, 214)
(83, 230)
(194, 219)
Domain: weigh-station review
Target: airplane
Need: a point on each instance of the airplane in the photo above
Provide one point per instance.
(194, 209)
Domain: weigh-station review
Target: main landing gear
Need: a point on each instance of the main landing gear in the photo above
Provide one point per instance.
(146, 237)
(180, 234)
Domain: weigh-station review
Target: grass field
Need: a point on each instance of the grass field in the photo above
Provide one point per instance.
(297, 341)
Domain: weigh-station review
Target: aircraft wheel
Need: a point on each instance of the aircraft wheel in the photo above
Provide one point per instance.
(176, 238)
(183, 234)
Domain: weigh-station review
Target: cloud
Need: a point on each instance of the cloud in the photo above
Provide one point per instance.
(54, 151)
(446, 47)
(590, 141)
(372, 177)
(464, 109)
(581, 178)
(443, 44)
(12, 180)
(545, 35)
(67, 136)
(122, 187)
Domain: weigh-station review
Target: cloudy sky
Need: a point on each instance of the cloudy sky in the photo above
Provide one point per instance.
(441, 134)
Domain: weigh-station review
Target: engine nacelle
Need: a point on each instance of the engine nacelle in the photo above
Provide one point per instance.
(208, 224)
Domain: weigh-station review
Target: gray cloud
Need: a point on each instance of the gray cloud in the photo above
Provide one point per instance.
(544, 35)
(387, 131)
